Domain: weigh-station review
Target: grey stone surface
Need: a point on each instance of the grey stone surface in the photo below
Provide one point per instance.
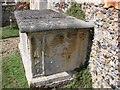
(59, 51)
(46, 19)
(52, 80)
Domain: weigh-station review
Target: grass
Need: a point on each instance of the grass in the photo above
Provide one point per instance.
(7, 32)
(13, 72)
(82, 79)
(76, 11)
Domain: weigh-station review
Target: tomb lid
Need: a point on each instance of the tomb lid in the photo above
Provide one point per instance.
(46, 19)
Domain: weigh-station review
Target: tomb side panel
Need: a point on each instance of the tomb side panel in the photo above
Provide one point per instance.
(36, 53)
(64, 50)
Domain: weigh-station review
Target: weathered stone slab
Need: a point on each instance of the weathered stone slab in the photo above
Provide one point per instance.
(52, 80)
(42, 20)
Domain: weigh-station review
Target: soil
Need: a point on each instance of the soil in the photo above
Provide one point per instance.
(9, 45)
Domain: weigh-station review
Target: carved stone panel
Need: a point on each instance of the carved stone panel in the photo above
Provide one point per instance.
(57, 51)
(36, 55)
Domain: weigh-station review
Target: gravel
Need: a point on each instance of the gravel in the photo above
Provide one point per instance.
(9, 45)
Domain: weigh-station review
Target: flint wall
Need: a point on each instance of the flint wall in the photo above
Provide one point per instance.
(104, 58)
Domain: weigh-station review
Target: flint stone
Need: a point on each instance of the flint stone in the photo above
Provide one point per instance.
(103, 11)
(106, 21)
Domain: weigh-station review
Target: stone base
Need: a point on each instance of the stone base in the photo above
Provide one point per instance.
(52, 80)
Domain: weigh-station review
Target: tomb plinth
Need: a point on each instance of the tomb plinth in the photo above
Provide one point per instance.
(51, 45)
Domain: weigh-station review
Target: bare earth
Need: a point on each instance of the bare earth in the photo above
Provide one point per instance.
(9, 45)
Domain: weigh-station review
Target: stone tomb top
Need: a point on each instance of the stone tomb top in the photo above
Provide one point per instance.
(46, 19)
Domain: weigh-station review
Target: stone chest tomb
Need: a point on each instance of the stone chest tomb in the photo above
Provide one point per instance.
(51, 45)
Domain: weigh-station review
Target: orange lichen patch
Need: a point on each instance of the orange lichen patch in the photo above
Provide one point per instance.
(109, 3)
(57, 40)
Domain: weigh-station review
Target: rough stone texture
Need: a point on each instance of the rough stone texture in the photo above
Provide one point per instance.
(57, 43)
(42, 20)
(89, 9)
(60, 6)
(104, 60)
(7, 13)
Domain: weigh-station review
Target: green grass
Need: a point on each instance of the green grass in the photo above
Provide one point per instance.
(7, 32)
(13, 72)
(76, 11)
(82, 78)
